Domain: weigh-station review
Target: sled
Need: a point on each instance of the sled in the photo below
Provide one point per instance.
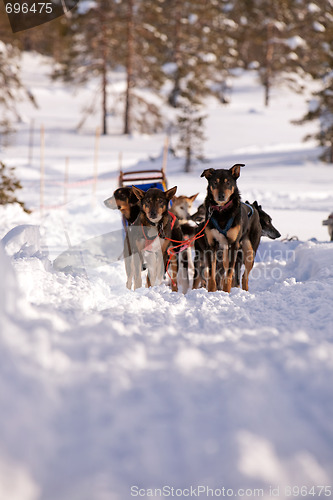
(143, 179)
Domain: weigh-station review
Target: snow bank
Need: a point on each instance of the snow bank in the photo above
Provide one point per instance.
(102, 388)
(140, 391)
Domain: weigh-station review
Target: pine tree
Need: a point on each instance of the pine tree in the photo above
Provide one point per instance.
(8, 186)
(269, 38)
(140, 52)
(190, 126)
(114, 35)
(199, 48)
(88, 55)
(12, 90)
(318, 62)
(199, 52)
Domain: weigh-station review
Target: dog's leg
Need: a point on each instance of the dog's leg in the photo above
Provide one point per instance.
(137, 263)
(197, 269)
(183, 268)
(159, 267)
(128, 262)
(173, 273)
(248, 262)
(211, 278)
(238, 268)
(229, 259)
(210, 261)
(150, 259)
(219, 269)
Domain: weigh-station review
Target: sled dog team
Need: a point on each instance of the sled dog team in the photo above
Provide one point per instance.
(224, 233)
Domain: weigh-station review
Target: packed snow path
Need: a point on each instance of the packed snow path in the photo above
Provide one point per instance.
(153, 388)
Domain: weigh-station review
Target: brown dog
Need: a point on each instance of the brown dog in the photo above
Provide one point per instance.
(150, 238)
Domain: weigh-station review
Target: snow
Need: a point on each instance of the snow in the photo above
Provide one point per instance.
(313, 8)
(318, 27)
(295, 41)
(102, 388)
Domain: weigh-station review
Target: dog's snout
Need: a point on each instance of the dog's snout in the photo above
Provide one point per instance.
(221, 196)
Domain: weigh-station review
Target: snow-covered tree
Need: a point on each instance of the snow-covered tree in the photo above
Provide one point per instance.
(190, 127)
(8, 186)
(198, 50)
(88, 55)
(110, 35)
(318, 62)
(12, 91)
(269, 39)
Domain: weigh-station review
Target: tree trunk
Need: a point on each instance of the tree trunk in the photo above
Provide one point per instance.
(104, 93)
(188, 159)
(173, 98)
(104, 69)
(268, 61)
(129, 68)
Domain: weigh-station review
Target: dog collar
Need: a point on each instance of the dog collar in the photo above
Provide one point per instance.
(220, 208)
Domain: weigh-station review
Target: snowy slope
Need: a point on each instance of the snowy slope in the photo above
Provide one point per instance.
(103, 388)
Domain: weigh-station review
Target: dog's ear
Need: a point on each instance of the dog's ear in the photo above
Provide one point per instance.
(132, 199)
(174, 198)
(208, 173)
(235, 170)
(192, 198)
(170, 193)
(138, 193)
(255, 204)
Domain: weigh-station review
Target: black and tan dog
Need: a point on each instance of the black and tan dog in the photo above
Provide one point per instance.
(329, 223)
(223, 230)
(267, 228)
(199, 215)
(249, 243)
(150, 238)
(252, 231)
(126, 202)
(255, 224)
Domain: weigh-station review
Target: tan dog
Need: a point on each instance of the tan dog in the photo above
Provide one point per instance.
(181, 207)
